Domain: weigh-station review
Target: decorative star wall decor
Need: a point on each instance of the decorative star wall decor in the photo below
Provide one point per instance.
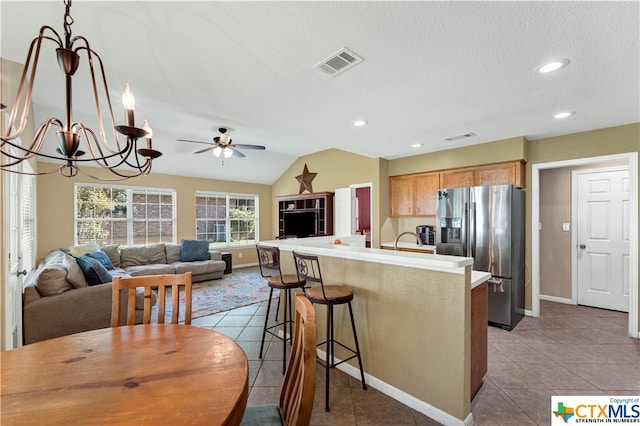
(305, 180)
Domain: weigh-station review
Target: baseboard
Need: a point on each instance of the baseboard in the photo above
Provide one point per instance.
(401, 396)
(556, 299)
(245, 265)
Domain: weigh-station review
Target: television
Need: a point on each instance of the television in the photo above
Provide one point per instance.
(301, 224)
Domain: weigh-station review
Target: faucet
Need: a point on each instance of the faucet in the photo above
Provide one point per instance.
(395, 245)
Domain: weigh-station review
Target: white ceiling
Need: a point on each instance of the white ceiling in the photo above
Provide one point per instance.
(431, 70)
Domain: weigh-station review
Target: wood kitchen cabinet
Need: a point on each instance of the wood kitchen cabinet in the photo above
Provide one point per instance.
(413, 195)
(512, 172)
(497, 174)
(457, 178)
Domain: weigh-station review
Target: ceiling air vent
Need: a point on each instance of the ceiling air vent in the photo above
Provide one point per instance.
(339, 62)
(457, 138)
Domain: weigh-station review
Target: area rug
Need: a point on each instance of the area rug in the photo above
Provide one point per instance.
(240, 288)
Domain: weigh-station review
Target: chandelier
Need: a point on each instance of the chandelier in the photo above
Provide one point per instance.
(123, 158)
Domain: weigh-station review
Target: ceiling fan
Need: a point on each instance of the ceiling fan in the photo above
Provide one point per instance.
(222, 145)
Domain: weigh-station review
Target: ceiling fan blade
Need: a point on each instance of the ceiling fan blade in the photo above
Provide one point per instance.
(245, 146)
(205, 150)
(186, 140)
(238, 154)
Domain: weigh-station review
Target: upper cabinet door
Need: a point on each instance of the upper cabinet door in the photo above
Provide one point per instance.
(427, 186)
(457, 178)
(498, 174)
(401, 189)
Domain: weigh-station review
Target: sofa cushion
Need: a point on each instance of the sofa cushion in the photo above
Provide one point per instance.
(192, 250)
(142, 255)
(52, 280)
(113, 253)
(199, 267)
(75, 276)
(101, 257)
(81, 250)
(173, 252)
(94, 271)
(157, 269)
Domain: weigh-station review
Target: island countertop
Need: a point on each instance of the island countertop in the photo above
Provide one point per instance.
(352, 247)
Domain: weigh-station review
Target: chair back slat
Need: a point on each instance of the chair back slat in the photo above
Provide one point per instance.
(269, 260)
(298, 390)
(149, 283)
(308, 268)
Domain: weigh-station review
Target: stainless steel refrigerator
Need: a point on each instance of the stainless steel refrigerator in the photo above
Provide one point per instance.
(487, 223)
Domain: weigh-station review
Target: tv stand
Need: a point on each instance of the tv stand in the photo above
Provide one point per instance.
(319, 202)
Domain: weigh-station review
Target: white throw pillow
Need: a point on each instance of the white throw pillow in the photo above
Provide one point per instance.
(83, 249)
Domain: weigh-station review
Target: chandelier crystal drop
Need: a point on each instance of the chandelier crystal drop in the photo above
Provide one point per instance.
(77, 144)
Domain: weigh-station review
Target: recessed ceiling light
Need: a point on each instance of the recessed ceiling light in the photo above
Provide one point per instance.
(564, 114)
(553, 66)
(359, 123)
(416, 145)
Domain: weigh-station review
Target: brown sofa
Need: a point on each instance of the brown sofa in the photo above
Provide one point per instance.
(57, 300)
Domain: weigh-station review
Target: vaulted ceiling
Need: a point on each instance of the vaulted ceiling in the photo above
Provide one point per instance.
(430, 71)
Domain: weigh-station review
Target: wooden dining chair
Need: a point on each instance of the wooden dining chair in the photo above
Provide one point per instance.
(150, 283)
(298, 390)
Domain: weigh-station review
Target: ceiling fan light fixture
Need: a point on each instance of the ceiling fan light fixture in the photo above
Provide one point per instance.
(217, 151)
(228, 152)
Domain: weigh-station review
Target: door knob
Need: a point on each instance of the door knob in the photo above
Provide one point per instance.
(582, 246)
(24, 272)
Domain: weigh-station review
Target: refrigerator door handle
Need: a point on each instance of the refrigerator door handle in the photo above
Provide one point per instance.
(472, 229)
(463, 230)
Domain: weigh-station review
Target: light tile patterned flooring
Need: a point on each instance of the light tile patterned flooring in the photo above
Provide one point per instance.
(568, 350)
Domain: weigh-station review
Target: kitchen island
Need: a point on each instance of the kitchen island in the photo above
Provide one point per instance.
(413, 314)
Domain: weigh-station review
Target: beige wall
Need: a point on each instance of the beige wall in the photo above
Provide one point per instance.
(487, 153)
(336, 169)
(56, 207)
(555, 244)
(596, 143)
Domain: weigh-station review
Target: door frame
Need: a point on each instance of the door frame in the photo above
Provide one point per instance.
(371, 211)
(574, 221)
(632, 160)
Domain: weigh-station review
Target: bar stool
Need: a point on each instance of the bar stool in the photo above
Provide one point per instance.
(269, 258)
(308, 269)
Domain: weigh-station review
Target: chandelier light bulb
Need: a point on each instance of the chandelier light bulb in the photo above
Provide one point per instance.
(128, 100)
(147, 129)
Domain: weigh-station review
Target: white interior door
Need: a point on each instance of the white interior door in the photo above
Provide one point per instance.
(13, 289)
(602, 237)
(343, 212)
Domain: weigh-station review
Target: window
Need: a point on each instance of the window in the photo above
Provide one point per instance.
(227, 219)
(124, 215)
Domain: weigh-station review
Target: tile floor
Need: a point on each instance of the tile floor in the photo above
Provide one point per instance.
(568, 350)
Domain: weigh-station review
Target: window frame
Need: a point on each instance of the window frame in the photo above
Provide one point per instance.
(227, 244)
(129, 219)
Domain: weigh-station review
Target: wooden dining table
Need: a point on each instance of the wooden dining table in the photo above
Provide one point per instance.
(143, 374)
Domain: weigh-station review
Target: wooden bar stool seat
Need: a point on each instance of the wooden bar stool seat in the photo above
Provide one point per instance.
(335, 294)
(269, 259)
(330, 295)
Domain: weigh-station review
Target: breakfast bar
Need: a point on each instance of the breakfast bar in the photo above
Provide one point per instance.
(419, 329)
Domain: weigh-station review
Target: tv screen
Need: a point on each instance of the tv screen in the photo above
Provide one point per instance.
(300, 224)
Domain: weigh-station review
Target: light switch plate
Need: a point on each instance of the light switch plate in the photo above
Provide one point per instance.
(566, 226)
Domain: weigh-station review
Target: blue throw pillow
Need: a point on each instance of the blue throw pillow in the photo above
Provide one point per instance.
(94, 271)
(101, 257)
(192, 250)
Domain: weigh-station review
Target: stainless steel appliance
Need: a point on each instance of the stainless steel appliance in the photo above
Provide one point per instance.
(487, 223)
(426, 234)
